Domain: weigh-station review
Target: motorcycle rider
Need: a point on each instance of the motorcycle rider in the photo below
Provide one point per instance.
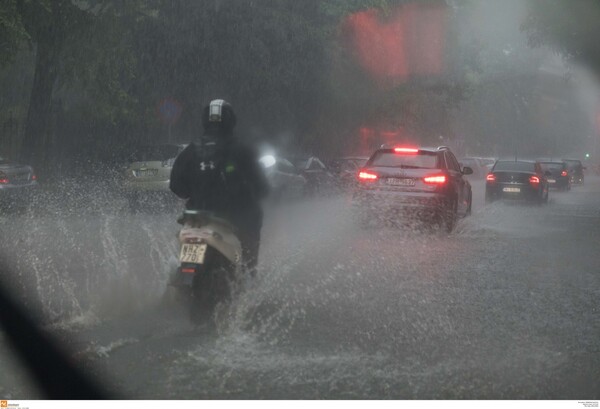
(219, 173)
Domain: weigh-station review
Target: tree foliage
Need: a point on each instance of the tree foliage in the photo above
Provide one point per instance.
(570, 27)
(102, 67)
(12, 32)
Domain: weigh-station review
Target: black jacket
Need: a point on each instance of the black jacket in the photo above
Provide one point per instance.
(232, 185)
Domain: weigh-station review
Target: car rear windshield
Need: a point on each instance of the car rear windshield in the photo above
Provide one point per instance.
(502, 166)
(573, 163)
(155, 153)
(552, 165)
(387, 159)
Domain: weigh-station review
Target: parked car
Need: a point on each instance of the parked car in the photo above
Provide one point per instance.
(557, 174)
(345, 170)
(480, 169)
(146, 178)
(407, 183)
(285, 180)
(517, 180)
(16, 184)
(319, 180)
(575, 169)
(488, 162)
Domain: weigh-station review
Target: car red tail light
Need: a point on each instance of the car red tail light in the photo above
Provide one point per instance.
(367, 176)
(534, 180)
(406, 150)
(435, 179)
(33, 177)
(564, 173)
(3, 181)
(491, 178)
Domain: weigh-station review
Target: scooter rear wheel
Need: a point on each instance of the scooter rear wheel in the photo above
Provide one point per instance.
(210, 287)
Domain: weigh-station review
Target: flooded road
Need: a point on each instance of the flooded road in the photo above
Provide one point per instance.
(505, 307)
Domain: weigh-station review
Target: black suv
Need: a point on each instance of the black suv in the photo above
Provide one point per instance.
(423, 183)
(557, 174)
(575, 170)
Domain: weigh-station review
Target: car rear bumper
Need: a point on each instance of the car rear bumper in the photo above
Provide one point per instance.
(408, 203)
(525, 193)
(11, 195)
(578, 179)
(15, 190)
(130, 186)
(559, 183)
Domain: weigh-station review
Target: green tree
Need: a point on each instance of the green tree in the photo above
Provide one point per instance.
(103, 66)
(83, 68)
(569, 27)
(266, 58)
(12, 32)
(50, 25)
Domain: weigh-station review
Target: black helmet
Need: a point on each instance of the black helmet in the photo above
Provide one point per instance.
(218, 116)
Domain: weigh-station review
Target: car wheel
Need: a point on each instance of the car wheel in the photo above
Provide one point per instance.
(489, 198)
(469, 208)
(544, 199)
(449, 216)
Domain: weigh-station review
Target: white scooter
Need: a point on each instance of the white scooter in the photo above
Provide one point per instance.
(210, 260)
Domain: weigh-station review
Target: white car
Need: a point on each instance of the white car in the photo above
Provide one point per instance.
(149, 171)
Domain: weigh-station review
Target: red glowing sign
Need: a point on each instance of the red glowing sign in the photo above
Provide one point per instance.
(410, 41)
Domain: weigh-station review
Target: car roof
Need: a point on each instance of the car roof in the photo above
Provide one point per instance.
(165, 144)
(518, 160)
(429, 149)
(160, 145)
(549, 159)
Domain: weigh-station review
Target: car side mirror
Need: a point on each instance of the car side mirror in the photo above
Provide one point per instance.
(467, 171)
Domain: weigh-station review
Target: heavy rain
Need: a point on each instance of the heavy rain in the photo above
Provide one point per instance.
(401, 255)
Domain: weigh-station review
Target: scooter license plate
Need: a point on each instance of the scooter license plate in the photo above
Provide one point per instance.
(192, 253)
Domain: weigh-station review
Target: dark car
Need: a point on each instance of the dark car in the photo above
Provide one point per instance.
(285, 180)
(16, 183)
(557, 174)
(422, 183)
(345, 169)
(517, 180)
(575, 169)
(319, 180)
